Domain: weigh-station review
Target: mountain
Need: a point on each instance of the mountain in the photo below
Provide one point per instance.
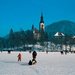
(64, 26)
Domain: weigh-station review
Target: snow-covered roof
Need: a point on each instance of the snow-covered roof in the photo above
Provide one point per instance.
(59, 34)
(73, 37)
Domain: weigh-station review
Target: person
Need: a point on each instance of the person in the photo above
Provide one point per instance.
(9, 51)
(34, 54)
(30, 62)
(19, 57)
(61, 52)
(47, 51)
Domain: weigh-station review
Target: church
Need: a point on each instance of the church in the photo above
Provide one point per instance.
(38, 33)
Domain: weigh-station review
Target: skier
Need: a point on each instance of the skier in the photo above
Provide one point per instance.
(19, 57)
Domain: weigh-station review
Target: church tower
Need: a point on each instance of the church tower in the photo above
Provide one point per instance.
(41, 29)
(41, 26)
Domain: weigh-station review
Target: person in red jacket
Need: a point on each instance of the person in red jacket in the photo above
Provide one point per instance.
(19, 57)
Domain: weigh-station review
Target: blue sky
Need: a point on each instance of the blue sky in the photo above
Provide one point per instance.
(21, 14)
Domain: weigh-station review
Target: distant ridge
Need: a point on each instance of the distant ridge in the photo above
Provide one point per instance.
(64, 26)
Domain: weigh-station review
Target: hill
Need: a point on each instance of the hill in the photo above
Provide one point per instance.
(64, 26)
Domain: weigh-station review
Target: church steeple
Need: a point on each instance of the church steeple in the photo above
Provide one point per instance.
(41, 26)
(41, 20)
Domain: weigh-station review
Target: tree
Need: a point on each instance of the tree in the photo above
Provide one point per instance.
(23, 37)
(42, 38)
(11, 38)
(2, 43)
(30, 37)
(46, 37)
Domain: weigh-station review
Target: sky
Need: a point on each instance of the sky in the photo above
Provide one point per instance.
(21, 14)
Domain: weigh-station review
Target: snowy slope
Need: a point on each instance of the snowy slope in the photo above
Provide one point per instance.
(47, 64)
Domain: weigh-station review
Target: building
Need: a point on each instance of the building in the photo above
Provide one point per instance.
(39, 33)
(59, 34)
(41, 25)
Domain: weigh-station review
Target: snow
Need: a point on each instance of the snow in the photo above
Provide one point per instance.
(59, 34)
(52, 63)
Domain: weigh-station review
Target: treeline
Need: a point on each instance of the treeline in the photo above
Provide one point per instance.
(20, 38)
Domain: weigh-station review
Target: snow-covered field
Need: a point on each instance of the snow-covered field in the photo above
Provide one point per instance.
(47, 64)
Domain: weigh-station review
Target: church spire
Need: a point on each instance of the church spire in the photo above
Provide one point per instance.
(41, 20)
(41, 26)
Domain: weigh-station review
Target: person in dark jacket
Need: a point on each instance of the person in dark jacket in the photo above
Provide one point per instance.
(30, 62)
(34, 54)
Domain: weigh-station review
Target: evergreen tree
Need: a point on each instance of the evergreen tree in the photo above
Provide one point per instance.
(11, 38)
